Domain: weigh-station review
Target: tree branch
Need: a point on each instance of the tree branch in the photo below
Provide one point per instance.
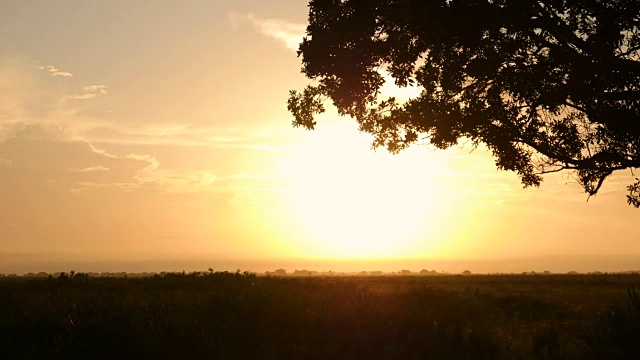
(629, 51)
(633, 95)
(559, 31)
(554, 26)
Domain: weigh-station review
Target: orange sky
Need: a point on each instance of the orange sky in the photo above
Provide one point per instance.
(157, 131)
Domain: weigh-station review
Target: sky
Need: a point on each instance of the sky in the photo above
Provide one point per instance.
(156, 132)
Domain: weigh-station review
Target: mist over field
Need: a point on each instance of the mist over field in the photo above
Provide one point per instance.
(33, 264)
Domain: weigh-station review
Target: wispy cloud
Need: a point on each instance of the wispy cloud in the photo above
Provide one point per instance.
(83, 187)
(91, 92)
(289, 33)
(55, 71)
(84, 96)
(98, 89)
(265, 139)
(100, 151)
(146, 173)
(69, 160)
(172, 181)
(43, 126)
(36, 100)
(245, 176)
(98, 168)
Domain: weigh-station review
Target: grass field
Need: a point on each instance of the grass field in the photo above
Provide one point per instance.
(243, 316)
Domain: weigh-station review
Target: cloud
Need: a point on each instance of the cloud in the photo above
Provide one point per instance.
(91, 92)
(26, 95)
(266, 139)
(35, 133)
(28, 98)
(168, 180)
(245, 176)
(84, 96)
(53, 143)
(146, 174)
(55, 71)
(288, 33)
(66, 163)
(83, 187)
(98, 89)
(58, 187)
(100, 151)
(46, 156)
(91, 169)
(195, 181)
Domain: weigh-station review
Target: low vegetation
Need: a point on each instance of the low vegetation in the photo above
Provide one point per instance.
(222, 315)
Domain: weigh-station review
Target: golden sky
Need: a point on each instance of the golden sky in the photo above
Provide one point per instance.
(158, 130)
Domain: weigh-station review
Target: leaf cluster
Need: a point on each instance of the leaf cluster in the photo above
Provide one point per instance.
(545, 85)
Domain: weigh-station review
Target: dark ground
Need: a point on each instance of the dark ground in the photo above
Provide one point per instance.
(241, 316)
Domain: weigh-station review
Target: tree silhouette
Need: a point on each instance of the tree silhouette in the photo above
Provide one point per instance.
(545, 85)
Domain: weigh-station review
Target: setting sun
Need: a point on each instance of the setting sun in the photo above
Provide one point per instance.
(357, 203)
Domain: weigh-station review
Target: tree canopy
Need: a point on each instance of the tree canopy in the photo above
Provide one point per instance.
(545, 85)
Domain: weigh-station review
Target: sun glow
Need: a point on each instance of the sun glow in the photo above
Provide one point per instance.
(352, 202)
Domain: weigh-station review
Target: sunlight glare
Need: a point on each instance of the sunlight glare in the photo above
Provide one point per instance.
(357, 203)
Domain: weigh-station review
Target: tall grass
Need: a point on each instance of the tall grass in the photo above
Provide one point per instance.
(242, 316)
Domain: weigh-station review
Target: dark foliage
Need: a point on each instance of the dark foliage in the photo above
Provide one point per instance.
(241, 316)
(545, 85)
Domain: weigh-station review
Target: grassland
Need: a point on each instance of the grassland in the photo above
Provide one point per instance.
(243, 316)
